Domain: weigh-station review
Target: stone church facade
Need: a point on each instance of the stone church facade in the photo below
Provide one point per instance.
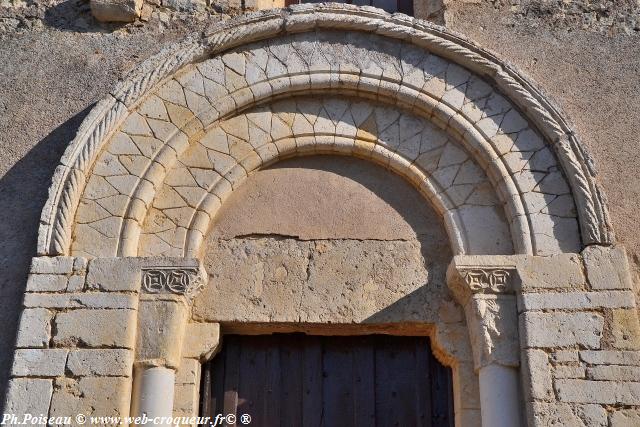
(330, 170)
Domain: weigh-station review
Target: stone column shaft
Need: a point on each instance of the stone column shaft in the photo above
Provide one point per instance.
(487, 295)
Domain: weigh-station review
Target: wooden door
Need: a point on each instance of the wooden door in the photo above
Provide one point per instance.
(301, 380)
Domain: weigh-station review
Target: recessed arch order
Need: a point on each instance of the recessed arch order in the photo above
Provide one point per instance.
(134, 140)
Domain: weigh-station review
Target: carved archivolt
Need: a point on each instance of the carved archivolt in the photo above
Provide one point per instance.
(482, 135)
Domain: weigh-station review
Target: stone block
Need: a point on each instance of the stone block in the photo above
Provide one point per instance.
(100, 362)
(569, 371)
(592, 415)
(35, 328)
(28, 396)
(114, 274)
(561, 329)
(577, 300)
(625, 329)
(36, 362)
(607, 267)
(537, 375)
(96, 328)
(613, 373)
(76, 283)
(610, 357)
(549, 272)
(188, 372)
(468, 386)
(565, 356)
(46, 282)
(80, 265)
(101, 396)
(185, 399)
(625, 418)
(82, 300)
(552, 414)
(201, 340)
(602, 392)
(161, 330)
(52, 265)
(116, 10)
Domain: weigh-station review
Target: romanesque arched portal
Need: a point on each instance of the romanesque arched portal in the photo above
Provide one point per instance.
(132, 203)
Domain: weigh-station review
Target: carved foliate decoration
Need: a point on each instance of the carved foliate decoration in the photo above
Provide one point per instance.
(180, 281)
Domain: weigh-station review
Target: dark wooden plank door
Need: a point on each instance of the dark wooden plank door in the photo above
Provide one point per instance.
(314, 381)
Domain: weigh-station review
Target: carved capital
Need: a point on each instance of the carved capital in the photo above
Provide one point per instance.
(486, 290)
(493, 328)
(173, 280)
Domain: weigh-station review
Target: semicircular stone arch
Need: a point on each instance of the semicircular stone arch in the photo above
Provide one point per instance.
(136, 144)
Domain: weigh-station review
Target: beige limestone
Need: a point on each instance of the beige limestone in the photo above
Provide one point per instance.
(625, 329)
(35, 328)
(607, 267)
(96, 328)
(537, 375)
(28, 396)
(46, 282)
(201, 342)
(103, 362)
(47, 362)
(625, 418)
(605, 392)
(101, 396)
(561, 329)
(161, 327)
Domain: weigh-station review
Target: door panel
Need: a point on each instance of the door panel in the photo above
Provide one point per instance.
(301, 380)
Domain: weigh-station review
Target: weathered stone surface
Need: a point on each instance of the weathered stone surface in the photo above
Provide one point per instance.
(613, 373)
(625, 418)
(564, 356)
(46, 282)
(201, 341)
(48, 362)
(96, 328)
(607, 267)
(625, 329)
(52, 265)
(81, 300)
(102, 362)
(569, 371)
(116, 10)
(161, 327)
(561, 329)
(276, 279)
(556, 271)
(76, 283)
(35, 328)
(188, 372)
(611, 357)
(102, 396)
(28, 396)
(553, 414)
(114, 274)
(577, 300)
(592, 415)
(537, 374)
(604, 392)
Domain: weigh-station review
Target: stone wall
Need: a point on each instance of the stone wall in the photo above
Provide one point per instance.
(57, 61)
(579, 337)
(76, 338)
